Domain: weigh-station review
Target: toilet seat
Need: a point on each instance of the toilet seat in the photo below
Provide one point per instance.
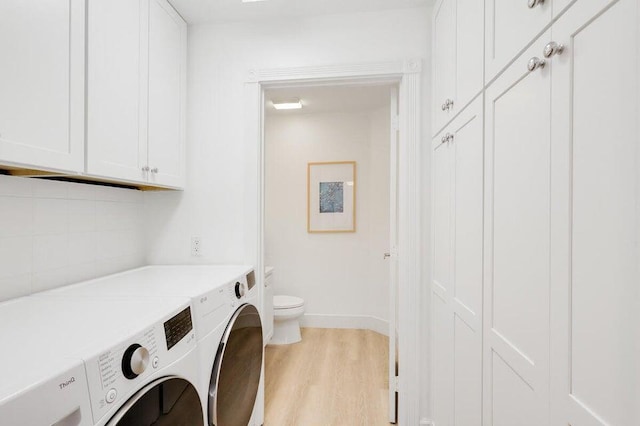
(287, 302)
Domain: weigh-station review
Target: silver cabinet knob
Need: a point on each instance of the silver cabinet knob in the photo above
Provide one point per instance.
(534, 3)
(444, 139)
(145, 169)
(535, 63)
(154, 170)
(447, 105)
(387, 255)
(449, 137)
(444, 107)
(553, 48)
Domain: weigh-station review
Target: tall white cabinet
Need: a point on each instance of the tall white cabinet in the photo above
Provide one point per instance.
(560, 229)
(42, 84)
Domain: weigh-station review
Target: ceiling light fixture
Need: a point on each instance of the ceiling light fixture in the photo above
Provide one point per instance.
(289, 104)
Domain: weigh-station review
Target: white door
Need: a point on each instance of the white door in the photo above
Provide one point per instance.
(117, 76)
(596, 202)
(444, 73)
(510, 26)
(392, 256)
(167, 92)
(517, 253)
(42, 84)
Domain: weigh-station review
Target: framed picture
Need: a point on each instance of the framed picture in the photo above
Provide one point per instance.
(331, 197)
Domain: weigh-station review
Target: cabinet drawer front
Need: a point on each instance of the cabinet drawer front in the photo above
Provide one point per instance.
(42, 84)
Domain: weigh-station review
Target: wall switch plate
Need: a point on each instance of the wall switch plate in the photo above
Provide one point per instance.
(196, 247)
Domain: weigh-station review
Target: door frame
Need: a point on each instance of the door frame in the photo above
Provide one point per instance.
(407, 75)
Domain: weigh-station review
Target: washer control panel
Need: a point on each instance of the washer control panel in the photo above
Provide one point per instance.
(117, 373)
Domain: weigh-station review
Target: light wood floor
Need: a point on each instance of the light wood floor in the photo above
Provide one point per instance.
(333, 377)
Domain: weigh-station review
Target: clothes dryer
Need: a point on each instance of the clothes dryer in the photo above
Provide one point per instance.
(227, 324)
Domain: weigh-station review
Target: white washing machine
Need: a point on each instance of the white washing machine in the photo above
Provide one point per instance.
(227, 324)
(90, 362)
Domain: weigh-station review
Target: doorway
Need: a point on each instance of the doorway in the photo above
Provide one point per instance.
(407, 75)
(331, 241)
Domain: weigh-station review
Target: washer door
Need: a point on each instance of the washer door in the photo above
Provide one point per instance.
(236, 371)
(167, 401)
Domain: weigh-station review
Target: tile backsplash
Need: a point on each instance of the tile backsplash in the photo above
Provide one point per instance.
(55, 233)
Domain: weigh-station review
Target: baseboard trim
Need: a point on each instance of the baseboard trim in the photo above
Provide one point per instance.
(361, 322)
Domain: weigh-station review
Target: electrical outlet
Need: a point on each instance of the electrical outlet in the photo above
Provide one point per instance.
(196, 247)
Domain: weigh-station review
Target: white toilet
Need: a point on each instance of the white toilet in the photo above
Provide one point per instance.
(287, 311)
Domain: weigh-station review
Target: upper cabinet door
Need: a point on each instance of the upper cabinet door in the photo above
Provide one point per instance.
(42, 84)
(116, 114)
(469, 51)
(167, 77)
(444, 53)
(596, 200)
(510, 26)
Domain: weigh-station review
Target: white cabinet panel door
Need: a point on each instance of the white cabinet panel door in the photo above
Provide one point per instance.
(117, 74)
(596, 84)
(468, 151)
(510, 26)
(457, 284)
(517, 224)
(469, 51)
(42, 84)
(442, 314)
(167, 89)
(444, 57)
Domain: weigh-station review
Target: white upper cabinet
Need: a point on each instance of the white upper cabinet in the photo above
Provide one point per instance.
(167, 85)
(458, 57)
(137, 72)
(116, 119)
(42, 84)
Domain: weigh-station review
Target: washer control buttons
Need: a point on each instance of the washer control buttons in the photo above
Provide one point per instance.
(155, 362)
(111, 396)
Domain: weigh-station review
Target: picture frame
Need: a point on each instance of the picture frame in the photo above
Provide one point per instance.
(331, 197)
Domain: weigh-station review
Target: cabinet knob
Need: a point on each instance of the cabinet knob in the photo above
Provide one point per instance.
(535, 63)
(444, 107)
(447, 105)
(145, 169)
(553, 48)
(534, 3)
(444, 139)
(154, 170)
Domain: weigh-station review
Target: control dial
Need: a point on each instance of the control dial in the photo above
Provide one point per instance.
(239, 290)
(134, 361)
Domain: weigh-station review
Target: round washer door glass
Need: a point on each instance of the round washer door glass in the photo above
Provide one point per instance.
(167, 401)
(236, 372)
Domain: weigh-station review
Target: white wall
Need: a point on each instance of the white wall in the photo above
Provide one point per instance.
(56, 233)
(220, 57)
(343, 278)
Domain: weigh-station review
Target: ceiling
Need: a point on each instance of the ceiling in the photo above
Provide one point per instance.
(335, 99)
(214, 11)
